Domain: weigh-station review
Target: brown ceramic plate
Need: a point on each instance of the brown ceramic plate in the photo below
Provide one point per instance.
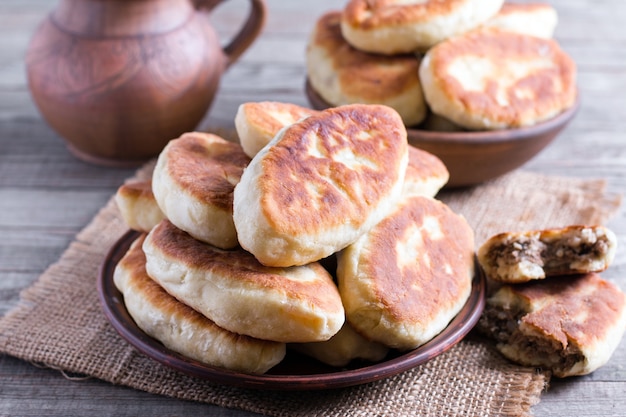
(473, 157)
(296, 372)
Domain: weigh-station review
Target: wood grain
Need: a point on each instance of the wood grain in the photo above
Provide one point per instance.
(47, 196)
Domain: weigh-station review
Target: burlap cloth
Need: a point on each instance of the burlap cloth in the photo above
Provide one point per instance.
(59, 322)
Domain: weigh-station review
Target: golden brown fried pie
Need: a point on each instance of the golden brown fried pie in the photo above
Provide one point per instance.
(495, 79)
(403, 281)
(258, 122)
(341, 74)
(321, 183)
(184, 330)
(400, 26)
(231, 288)
(193, 184)
(138, 206)
(425, 174)
(570, 325)
(515, 257)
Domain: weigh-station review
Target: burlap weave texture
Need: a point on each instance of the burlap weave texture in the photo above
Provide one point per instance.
(59, 322)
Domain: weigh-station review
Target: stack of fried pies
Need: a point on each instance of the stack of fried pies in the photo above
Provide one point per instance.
(444, 64)
(551, 308)
(319, 232)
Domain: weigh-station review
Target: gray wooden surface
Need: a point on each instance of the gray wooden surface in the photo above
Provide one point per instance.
(47, 196)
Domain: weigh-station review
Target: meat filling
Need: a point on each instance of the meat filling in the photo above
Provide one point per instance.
(499, 324)
(545, 353)
(524, 249)
(502, 325)
(551, 255)
(565, 251)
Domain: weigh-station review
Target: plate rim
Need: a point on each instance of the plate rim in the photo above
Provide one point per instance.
(112, 304)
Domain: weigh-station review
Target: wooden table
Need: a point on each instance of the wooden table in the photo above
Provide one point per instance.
(47, 196)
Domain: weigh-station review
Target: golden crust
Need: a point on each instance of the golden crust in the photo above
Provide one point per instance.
(320, 184)
(387, 278)
(258, 122)
(136, 189)
(371, 14)
(492, 79)
(425, 175)
(339, 163)
(425, 172)
(570, 325)
(578, 310)
(207, 167)
(241, 266)
(396, 26)
(370, 77)
(237, 292)
(193, 183)
(183, 329)
(271, 116)
(138, 206)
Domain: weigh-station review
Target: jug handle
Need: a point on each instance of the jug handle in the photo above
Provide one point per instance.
(250, 30)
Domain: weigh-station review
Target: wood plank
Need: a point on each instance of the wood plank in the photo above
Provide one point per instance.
(85, 397)
(582, 398)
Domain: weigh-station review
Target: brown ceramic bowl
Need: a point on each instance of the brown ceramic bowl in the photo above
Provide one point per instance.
(473, 157)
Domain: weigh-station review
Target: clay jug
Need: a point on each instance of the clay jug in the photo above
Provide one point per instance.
(117, 79)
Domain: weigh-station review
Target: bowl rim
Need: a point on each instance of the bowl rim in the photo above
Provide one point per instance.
(498, 135)
(476, 136)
